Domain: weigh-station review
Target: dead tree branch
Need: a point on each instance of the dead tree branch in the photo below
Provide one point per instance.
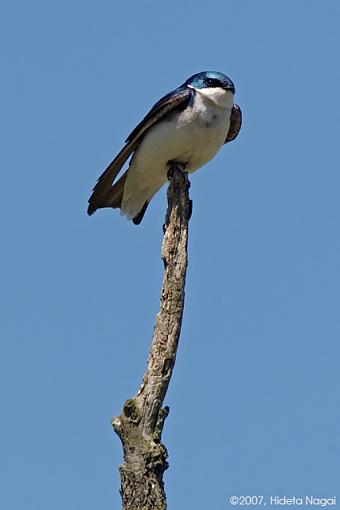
(141, 422)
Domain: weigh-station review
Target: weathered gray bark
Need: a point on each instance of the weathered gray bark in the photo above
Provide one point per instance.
(141, 422)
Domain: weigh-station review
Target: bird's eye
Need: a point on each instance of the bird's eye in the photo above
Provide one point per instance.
(212, 82)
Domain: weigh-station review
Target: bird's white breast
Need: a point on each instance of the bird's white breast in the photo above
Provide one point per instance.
(204, 126)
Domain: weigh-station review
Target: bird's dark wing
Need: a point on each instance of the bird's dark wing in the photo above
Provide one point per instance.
(235, 123)
(177, 100)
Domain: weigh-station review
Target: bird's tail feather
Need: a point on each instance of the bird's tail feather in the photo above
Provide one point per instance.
(102, 192)
(114, 199)
(111, 197)
(114, 196)
(138, 218)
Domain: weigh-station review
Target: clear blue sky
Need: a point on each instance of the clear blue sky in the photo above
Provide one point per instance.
(255, 394)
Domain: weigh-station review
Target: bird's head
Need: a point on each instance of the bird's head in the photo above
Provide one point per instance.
(210, 79)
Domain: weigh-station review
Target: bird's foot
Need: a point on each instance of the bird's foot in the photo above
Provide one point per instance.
(172, 166)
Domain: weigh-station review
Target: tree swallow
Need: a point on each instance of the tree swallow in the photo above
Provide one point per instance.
(188, 126)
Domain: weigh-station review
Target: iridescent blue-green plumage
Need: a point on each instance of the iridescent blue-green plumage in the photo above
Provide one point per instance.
(207, 79)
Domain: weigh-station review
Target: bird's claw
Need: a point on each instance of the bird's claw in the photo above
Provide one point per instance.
(172, 165)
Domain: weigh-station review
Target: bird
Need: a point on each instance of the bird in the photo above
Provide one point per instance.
(187, 126)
